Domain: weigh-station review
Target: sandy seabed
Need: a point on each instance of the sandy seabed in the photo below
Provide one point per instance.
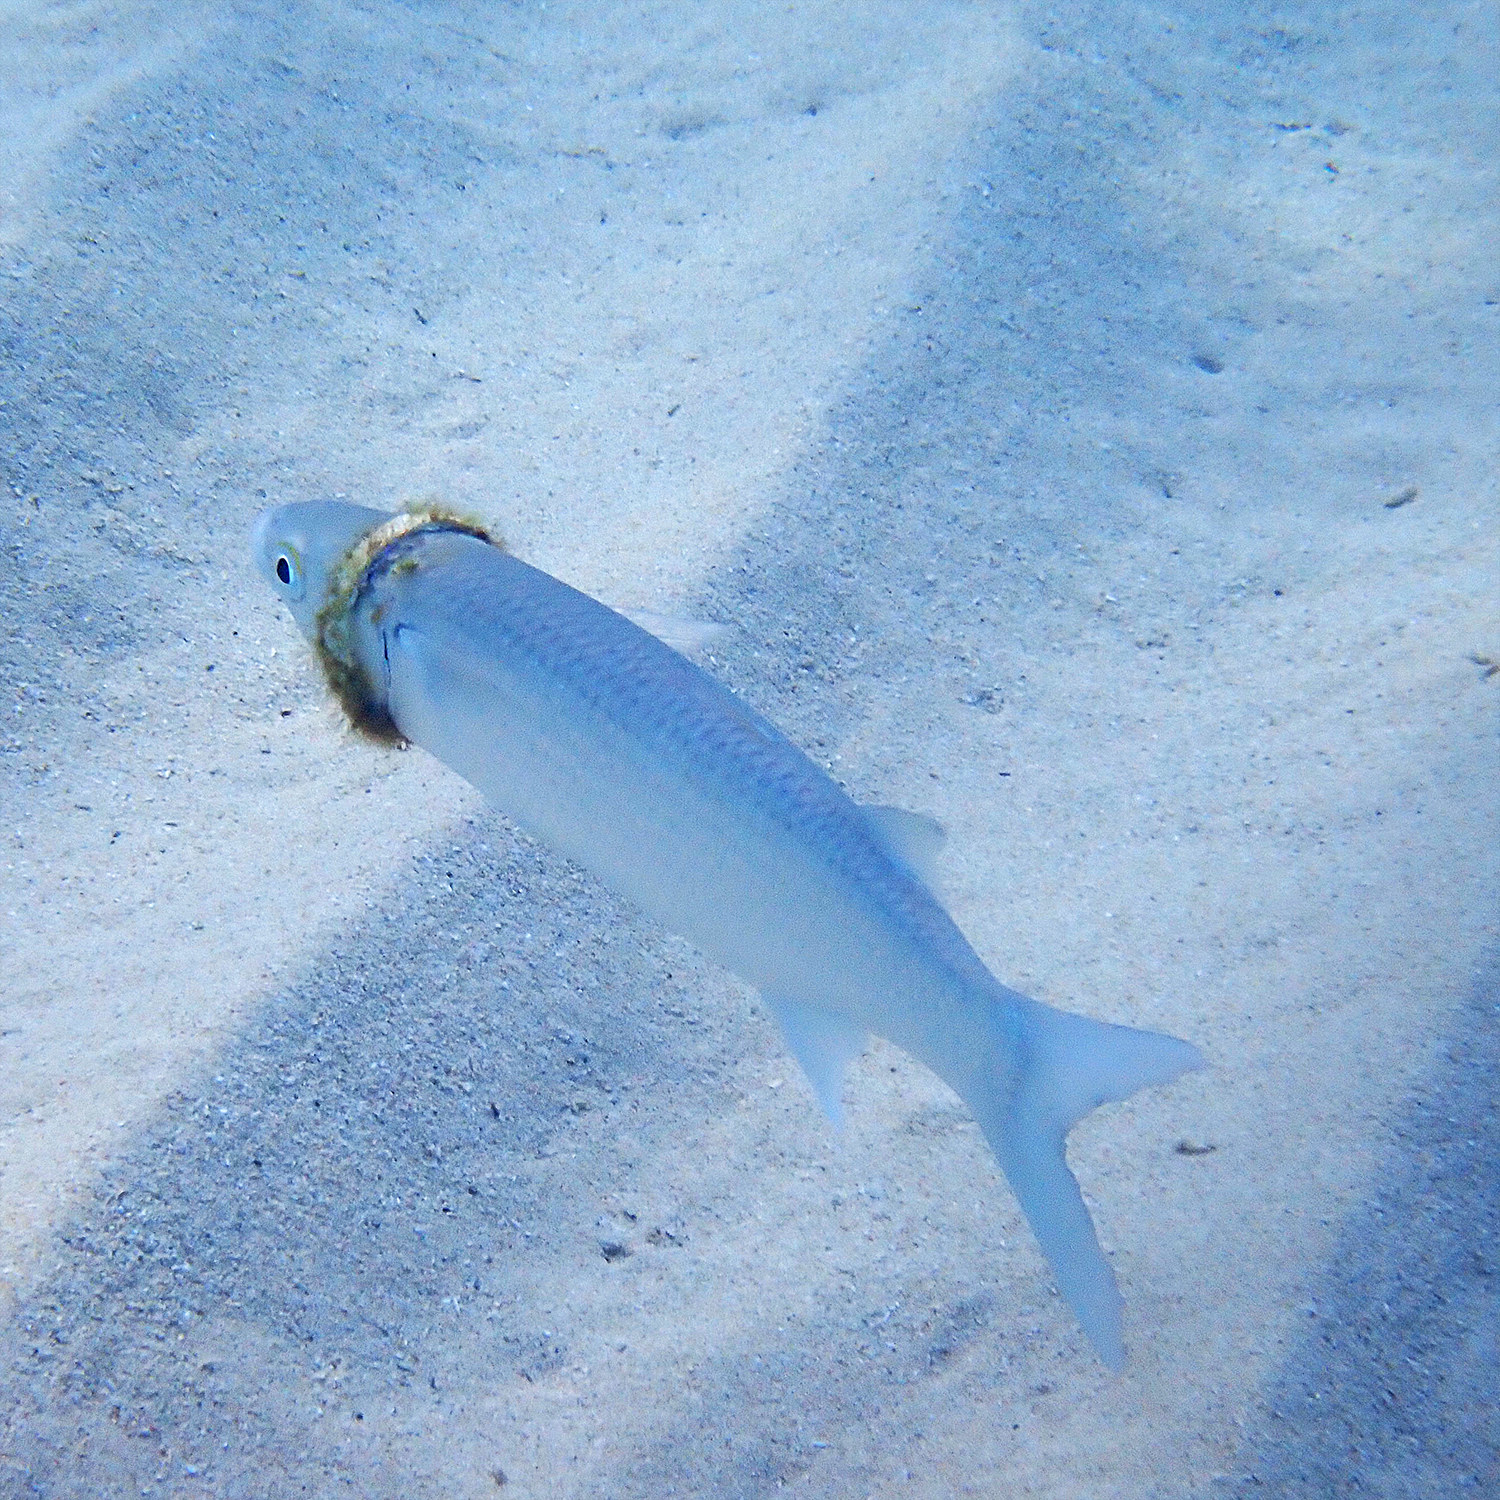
(1086, 423)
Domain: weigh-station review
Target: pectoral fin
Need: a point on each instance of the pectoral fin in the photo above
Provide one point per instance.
(824, 1044)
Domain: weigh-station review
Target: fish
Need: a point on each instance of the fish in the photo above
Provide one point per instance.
(597, 737)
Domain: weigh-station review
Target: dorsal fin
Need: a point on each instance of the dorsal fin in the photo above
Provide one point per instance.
(911, 837)
(687, 637)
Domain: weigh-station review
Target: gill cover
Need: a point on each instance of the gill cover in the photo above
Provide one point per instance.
(372, 554)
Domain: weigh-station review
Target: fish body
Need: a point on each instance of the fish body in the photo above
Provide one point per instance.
(601, 740)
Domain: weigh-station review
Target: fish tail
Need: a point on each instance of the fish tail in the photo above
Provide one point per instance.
(1056, 1068)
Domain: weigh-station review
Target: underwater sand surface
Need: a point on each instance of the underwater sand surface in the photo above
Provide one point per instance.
(1087, 427)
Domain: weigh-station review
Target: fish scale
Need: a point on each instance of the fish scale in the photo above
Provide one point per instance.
(622, 710)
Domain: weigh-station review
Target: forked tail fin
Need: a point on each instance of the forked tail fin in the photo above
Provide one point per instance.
(1059, 1067)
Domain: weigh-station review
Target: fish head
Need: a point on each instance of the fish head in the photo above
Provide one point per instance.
(296, 549)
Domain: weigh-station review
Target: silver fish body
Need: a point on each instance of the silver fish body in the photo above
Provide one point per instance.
(595, 736)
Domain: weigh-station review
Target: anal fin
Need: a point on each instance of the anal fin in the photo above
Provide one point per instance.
(825, 1044)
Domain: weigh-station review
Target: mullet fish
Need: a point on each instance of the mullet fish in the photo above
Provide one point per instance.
(596, 736)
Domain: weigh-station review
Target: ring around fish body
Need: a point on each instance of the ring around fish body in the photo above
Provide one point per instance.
(597, 737)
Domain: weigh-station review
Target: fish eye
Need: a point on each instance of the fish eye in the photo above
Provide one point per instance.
(286, 567)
